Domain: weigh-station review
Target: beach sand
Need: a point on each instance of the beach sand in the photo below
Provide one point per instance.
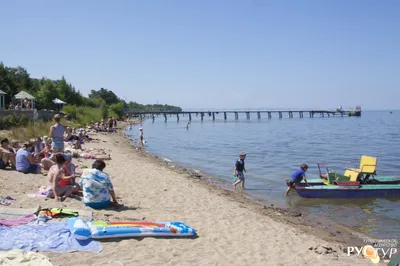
(231, 230)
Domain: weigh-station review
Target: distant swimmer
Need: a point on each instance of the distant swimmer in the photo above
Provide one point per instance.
(187, 126)
(238, 170)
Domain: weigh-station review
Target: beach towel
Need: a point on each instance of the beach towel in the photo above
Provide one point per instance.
(7, 212)
(19, 257)
(55, 237)
(17, 221)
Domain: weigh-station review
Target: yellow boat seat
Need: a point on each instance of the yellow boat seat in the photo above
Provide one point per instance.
(367, 166)
(352, 175)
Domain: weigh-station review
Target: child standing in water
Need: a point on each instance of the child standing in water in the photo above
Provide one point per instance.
(297, 177)
(238, 170)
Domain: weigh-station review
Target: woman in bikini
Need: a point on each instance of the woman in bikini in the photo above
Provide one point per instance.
(61, 190)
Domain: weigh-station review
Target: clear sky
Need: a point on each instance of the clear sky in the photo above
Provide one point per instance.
(213, 53)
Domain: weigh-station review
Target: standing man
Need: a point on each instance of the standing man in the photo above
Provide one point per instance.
(238, 170)
(141, 137)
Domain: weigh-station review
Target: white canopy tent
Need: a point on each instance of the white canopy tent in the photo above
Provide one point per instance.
(59, 102)
(2, 99)
(24, 95)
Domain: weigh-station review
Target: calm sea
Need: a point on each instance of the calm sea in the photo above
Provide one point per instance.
(276, 147)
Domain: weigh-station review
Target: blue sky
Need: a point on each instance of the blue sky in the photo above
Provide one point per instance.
(213, 54)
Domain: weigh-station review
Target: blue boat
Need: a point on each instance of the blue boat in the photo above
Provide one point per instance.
(354, 183)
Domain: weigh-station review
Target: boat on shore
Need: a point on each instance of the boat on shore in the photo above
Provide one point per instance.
(354, 183)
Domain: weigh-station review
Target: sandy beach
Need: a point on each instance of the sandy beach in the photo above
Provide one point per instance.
(231, 230)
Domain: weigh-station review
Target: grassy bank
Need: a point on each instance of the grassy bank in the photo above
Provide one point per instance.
(31, 130)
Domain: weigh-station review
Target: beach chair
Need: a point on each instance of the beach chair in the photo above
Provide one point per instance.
(367, 167)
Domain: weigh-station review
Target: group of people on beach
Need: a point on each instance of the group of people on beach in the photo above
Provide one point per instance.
(239, 170)
(50, 154)
(105, 125)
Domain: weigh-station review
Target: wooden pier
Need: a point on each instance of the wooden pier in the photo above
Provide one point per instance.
(246, 112)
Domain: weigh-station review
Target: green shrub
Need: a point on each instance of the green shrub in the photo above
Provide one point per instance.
(14, 120)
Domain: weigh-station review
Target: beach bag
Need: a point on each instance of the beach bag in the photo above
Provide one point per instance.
(57, 212)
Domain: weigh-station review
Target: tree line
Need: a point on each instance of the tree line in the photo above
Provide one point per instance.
(13, 80)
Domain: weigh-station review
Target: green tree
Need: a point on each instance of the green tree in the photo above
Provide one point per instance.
(108, 96)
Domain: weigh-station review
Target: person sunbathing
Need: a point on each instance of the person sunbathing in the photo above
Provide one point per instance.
(70, 173)
(7, 155)
(61, 188)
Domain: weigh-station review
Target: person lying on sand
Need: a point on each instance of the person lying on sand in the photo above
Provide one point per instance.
(297, 177)
(25, 162)
(97, 187)
(61, 185)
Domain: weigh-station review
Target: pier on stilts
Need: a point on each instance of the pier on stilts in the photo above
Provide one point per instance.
(245, 113)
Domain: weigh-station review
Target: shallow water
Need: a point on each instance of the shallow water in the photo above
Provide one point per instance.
(276, 147)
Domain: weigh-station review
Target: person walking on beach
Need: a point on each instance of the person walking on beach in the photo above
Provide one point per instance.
(57, 135)
(297, 177)
(238, 170)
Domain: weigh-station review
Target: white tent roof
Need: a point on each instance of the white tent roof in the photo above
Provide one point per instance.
(58, 101)
(2, 92)
(23, 95)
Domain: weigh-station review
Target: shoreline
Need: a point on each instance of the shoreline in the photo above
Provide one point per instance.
(310, 223)
(232, 230)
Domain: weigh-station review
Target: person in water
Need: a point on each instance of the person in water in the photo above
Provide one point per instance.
(238, 170)
(141, 136)
(297, 177)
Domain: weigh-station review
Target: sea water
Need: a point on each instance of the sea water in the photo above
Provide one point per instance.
(277, 147)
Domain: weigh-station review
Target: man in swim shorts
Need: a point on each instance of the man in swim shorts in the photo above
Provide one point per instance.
(297, 177)
(238, 170)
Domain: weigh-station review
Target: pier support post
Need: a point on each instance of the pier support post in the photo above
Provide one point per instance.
(322, 114)
(258, 115)
(165, 116)
(225, 115)
(190, 117)
(290, 114)
(213, 115)
(248, 115)
(311, 114)
(202, 116)
(177, 117)
(269, 115)
(236, 116)
(280, 114)
(301, 114)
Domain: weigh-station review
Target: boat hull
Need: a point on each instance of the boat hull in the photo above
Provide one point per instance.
(347, 193)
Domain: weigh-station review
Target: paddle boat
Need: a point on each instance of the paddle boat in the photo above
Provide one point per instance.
(354, 183)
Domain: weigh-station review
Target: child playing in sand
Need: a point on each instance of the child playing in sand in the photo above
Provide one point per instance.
(297, 177)
(238, 170)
